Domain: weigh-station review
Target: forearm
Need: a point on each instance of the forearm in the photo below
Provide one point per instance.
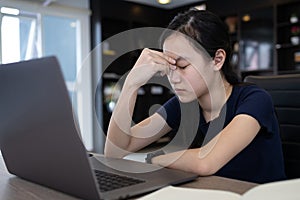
(187, 160)
(119, 134)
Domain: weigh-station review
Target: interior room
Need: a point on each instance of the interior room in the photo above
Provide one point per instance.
(97, 43)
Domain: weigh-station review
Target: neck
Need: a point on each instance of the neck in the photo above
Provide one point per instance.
(214, 100)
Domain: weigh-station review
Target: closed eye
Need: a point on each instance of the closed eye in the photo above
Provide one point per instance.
(182, 67)
(182, 63)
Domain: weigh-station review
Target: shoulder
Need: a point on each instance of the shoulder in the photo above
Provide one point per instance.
(256, 102)
(252, 93)
(253, 100)
(248, 88)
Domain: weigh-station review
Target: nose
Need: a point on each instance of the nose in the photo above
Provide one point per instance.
(174, 76)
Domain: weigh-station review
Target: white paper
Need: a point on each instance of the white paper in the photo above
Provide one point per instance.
(280, 190)
(180, 193)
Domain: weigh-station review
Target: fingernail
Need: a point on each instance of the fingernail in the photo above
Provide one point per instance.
(173, 67)
(172, 60)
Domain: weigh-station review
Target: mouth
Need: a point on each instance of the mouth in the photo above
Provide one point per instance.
(178, 90)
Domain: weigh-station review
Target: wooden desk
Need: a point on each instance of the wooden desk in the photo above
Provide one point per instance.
(14, 188)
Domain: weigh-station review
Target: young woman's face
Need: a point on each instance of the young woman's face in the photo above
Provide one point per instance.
(192, 74)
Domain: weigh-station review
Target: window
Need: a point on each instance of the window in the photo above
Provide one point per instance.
(59, 38)
(18, 37)
(31, 30)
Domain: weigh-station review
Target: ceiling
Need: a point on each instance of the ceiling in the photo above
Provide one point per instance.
(154, 3)
(173, 4)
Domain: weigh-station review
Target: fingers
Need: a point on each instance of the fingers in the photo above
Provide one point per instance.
(163, 58)
(162, 69)
(162, 63)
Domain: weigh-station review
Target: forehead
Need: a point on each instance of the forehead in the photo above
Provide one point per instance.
(177, 45)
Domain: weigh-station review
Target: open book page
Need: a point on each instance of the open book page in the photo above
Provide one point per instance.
(179, 193)
(280, 190)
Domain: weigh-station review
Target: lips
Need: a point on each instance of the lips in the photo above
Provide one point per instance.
(178, 90)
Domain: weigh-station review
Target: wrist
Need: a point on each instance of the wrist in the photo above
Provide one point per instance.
(150, 156)
(130, 87)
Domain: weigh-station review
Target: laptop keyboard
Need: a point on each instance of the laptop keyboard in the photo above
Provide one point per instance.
(108, 181)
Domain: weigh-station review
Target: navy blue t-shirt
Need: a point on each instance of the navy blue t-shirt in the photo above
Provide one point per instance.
(262, 160)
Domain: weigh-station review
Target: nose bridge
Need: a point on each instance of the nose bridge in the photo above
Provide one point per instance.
(174, 76)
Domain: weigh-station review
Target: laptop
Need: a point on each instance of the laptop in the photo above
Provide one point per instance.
(40, 142)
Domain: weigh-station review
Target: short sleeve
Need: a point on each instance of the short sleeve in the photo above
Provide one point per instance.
(170, 111)
(257, 103)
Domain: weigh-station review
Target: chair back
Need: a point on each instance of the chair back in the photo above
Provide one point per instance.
(285, 91)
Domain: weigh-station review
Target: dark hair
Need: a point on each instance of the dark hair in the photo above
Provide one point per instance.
(209, 31)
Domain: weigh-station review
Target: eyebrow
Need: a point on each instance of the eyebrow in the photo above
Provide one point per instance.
(178, 57)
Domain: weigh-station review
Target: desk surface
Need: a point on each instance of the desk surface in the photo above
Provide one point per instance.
(14, 188)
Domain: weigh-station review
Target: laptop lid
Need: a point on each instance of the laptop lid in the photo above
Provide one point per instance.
(36, 111)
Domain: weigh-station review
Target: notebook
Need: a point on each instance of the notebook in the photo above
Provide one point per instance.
(41, 143)
(277, 190)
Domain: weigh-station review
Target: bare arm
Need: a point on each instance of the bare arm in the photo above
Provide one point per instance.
(210, 158)
(122, 138)
(140, 135)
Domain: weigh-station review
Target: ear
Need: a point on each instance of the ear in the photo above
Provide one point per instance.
(219, 59)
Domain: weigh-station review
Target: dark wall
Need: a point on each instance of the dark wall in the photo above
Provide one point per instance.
(132, 13)
(128, 15)
(232, 7)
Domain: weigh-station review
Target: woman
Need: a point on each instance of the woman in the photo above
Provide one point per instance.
(196, 60)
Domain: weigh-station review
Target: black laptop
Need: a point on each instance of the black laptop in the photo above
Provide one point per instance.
(40, 141)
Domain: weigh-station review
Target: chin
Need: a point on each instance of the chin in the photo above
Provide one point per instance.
(185, 99)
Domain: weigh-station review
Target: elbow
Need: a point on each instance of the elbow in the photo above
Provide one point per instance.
(205, 168)
(114, 153)
(110, 150)
(108, 153)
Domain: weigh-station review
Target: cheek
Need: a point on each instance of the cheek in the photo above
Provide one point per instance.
(198, 86)
(196, 82)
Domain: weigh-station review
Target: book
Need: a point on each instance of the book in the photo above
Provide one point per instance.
(279, 190)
